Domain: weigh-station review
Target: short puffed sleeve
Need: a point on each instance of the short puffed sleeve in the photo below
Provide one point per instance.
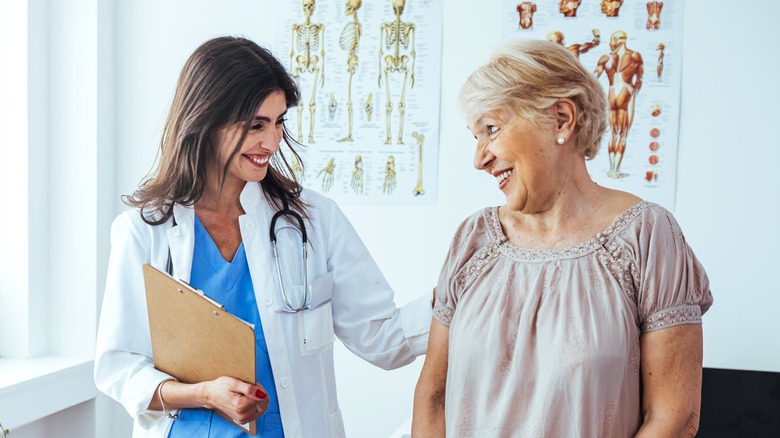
(470, 236)
(673, 286)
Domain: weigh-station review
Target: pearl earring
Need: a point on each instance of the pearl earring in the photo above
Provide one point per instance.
(561, 140)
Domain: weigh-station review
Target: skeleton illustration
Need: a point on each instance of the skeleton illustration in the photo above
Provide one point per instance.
(350, 37)
(332, 107)
(297, 169)
(327, 174)
(418, 189)
(369, 106)
(660, 67)
(357, 175)
(398, 37)
(389, 184)
(307, 39)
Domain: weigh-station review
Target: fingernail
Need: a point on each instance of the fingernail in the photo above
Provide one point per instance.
(259, 394)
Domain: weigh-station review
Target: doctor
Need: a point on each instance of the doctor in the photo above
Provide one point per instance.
(206, 213)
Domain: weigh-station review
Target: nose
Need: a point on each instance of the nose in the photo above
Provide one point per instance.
(273, 138)
(482, 156)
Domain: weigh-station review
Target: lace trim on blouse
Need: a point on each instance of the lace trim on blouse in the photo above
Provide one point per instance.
(684, 314)
(442, 313)
(522, 254)
(487, 256)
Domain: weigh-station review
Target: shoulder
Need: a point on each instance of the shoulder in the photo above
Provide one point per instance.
(648, 224)
(323, 212)
(477, 230)
(130, 224)
(318, 204)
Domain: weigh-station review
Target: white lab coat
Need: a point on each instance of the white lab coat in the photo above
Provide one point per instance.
(350, 296)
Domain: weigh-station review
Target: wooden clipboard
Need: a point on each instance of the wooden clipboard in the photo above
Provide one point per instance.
(194, 339)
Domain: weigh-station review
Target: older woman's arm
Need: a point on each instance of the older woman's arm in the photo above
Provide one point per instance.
(671, 381)
(428, 416)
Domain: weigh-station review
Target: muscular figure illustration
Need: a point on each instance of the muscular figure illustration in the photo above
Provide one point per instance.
(357, 175)
(576, 49)
(389, 185)
(327, 174)
(397, 37)
(307, 39)
(611, 8)
(418, 189)
(660, 67)
(569, 7)
(654, 15)
(350, 37)
(624, 68)
(526, 11)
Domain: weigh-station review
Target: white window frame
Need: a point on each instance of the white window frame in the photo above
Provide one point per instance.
(57, 137)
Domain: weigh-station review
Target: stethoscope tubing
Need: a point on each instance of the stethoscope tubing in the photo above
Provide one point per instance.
(304, 243)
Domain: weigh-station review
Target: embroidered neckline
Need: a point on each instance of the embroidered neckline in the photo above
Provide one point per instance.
(516, 252)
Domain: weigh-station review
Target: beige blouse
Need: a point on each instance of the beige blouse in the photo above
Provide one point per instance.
(545, 343)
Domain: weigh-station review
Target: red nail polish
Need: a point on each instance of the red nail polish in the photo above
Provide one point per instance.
(259, 394)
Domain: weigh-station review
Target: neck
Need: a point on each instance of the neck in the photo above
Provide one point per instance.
(225, 199)
(567, 217)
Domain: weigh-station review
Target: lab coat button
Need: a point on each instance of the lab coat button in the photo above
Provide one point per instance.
(268, 301)
(285, 383)
(250, 225)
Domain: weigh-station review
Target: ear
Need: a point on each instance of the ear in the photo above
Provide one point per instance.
(565, 113)
(533, 7)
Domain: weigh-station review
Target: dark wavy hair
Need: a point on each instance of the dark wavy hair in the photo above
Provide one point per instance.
(223, 82)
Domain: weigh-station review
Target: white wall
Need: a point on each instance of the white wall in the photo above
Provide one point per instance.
(727, 153)
(727, 194)
(726, 202)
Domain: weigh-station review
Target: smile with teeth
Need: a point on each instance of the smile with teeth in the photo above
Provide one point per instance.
(258, 160)
(503, 176)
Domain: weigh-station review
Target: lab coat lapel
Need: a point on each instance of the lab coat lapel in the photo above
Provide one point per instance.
(181, 240)
(257, 243)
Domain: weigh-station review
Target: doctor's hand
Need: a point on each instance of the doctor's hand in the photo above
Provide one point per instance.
(241, 401)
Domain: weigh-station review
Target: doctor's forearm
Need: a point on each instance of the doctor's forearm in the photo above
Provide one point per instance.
(177, 395)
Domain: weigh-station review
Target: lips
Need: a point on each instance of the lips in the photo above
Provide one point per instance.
(258, 160)
(502, 177)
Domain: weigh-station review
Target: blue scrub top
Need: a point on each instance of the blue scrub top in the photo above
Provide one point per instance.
(229, 283)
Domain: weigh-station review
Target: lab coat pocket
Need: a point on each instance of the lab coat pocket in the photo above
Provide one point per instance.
(316, 324)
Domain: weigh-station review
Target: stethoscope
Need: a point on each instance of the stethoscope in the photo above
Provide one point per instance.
(290, 308)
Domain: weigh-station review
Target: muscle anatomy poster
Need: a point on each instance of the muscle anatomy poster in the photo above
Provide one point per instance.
(634, 48)
(368, 74)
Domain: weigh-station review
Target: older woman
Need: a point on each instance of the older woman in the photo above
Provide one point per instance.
(573, 309)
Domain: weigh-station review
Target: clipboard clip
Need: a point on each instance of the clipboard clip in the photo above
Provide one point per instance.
(202, 294)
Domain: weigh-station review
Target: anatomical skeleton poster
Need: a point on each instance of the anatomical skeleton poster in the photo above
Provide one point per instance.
(368, 74)
(634, 48)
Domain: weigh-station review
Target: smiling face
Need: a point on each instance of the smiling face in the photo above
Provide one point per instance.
(262, 141)
(522, 157)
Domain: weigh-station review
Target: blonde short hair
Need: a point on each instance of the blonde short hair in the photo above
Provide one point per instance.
(525, 78)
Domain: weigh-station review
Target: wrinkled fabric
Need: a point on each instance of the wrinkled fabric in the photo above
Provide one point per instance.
(545, 343)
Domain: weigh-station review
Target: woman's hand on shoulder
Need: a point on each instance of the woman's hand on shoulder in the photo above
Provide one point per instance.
(241, 401)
